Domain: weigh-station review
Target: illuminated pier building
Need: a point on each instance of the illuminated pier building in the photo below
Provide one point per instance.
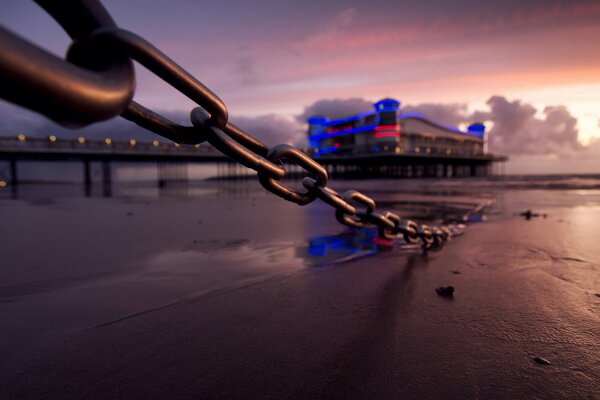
(385, 141)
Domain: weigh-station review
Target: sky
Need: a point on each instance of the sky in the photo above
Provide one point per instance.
(529, 69)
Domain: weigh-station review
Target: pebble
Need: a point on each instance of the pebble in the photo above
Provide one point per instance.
(528, 214)
(447, 291)
(541, 361)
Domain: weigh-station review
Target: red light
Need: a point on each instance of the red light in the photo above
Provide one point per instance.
(382, 131)
(336, 145)
(386, 128)
(386, 134)
(382, 242)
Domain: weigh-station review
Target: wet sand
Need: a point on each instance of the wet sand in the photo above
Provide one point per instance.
(235, 294)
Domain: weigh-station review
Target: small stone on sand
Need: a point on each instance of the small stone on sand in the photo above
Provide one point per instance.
(447, 291)
(541, 361)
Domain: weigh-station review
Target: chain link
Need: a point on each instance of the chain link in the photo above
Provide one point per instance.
(101, 48)
(70, 92)
(291, 153)
(232, 148)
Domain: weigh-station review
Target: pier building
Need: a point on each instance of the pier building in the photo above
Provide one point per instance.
(387, 138)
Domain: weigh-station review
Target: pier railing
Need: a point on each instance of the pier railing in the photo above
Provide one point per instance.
(21, 145)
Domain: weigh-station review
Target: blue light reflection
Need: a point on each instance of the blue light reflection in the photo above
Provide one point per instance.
(349, 245)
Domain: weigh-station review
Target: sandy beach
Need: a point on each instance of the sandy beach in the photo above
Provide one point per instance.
(227, 292)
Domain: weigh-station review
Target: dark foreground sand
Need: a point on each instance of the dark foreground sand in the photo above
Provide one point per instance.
(179, 302)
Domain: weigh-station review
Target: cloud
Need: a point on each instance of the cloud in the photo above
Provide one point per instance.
(335, 108)
(448, 114)
(245, 69)
(273, 129)
(518, 129)
(331, 33)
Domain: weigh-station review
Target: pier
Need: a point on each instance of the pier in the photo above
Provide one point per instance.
(172, 160)
(386, 165)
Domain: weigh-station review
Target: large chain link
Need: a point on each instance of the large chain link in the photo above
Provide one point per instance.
(96, 82)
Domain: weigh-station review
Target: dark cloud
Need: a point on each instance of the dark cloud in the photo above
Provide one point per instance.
(447, 114)
(335, 108)
(517, 127)
(518, 130)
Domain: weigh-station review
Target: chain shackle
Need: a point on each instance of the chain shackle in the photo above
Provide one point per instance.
(426, 235)
(295, 155)
(345, 218)
(374, 218)
(68, 92)
(386, 232)
(328, 196)
(438, 236)
(446, 232)
(409, 229)
(226, 145)
(248, 141)
(160, 125)
(93, 48)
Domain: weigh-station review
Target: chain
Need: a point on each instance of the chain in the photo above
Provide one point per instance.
(96, 82)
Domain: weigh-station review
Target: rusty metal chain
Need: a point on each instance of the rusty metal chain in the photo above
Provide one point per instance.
(96, 82)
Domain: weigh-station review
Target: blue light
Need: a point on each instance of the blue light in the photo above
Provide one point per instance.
(317, 120)
(476, 218)
(350, 119)
(317, 247)
(344, 132)
(326, 150)
(411, 115)
(387, 105)
(477, 129)
(422, 117)
(387, 109)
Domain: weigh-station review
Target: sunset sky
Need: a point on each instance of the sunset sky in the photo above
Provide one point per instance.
(273, 59)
